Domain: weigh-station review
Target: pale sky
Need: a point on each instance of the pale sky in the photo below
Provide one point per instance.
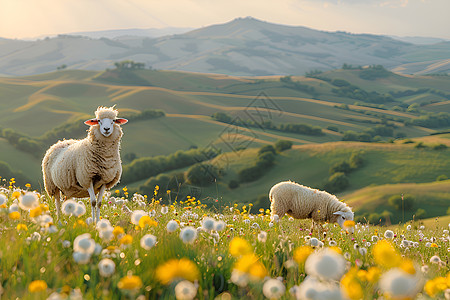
(33, 18)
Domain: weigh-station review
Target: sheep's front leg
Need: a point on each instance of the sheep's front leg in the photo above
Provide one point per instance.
(93, 200)
(99, 200)
(58, 204)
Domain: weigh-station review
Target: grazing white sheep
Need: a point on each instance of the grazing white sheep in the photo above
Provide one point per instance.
(302, 202)
(83, 168)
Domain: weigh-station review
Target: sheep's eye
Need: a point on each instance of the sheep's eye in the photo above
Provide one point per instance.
(343, 218)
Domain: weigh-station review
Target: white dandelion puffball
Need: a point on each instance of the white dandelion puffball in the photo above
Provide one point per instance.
(172, 225)
(3, 199)
(148, 241)
(435, 259)
(314, 242)
(89, 221)
(136, 216)
(325, 264)
(44, 220)
(274, 218)
(273, 289)
(239, 278)
(164, 210)
(103, 224)
(400, 285)
(220, 225)
(14, 207)
(185, 290)
(106, 267)
(188, 234)
(28, 201)
(80, 209)
(389, 234)
(81, 258)
(68, 207)
(84, 243)
(208, 223)
(262, 236)
(106, 234)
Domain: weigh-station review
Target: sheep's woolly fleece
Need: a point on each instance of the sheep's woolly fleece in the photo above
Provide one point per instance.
(69, 166)
(302, 202)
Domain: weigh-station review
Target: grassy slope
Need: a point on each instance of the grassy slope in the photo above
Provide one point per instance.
(189, 99)
(309, 165)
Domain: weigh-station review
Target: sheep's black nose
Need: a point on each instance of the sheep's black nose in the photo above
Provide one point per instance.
(107, 129)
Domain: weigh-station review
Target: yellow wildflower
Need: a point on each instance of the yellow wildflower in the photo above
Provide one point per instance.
(408, 266)
(302, 253)
(177, 269)
(118, 231)
(239, 247)
(15, 195)
(251, 265)
(126, 240)
(385, 255)
(147, 221)
(35, 212)
(435, 286)
(15, 215)
(28, 185)
(349, 224)
(373, 274)
(351, 285)
(79, 223)
(130, 283)
(22, 227)
(37, 286)
(434, 245)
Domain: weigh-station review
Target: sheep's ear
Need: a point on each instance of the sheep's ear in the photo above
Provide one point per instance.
(91, 122)
(338, 213)
(120, 121)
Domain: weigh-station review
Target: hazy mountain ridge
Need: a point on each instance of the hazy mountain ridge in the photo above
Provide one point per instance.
(244, 46)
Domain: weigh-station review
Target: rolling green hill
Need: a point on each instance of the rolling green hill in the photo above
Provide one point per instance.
(352, 103)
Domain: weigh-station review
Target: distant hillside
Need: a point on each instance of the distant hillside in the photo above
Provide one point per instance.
(355, 104)
(244, 46)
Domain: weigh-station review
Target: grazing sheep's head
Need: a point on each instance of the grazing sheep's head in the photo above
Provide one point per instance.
(106, 117)
(342, 216)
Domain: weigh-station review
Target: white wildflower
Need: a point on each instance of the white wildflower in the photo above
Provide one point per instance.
(103, 224)
(172, 225)
(68, 207)
(80, 209)
(389, 234)
(262, 236)
(84, 243)
(188, 234)
(148, 241)
(273, 289)
(3, 199)
(185, 290)
(66, 244)
(106, 267)
(81, 258)
(399, 284)
(220, 225)
(408, 227)
(239, 278)
(106, 234)
(326, 264)
(314, 242)
(435, 259)
(164, 210)
(136, 216)
(275, 218)
(208, 223)
(89, 221)
(28, 201)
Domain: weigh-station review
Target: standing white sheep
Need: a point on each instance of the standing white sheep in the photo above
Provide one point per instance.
(302, 202)
(83, 168)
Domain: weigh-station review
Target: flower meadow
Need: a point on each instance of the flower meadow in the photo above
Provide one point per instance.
(163, 248)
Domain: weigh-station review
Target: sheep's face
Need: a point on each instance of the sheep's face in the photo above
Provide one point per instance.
(342, 216)
(106, 125)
